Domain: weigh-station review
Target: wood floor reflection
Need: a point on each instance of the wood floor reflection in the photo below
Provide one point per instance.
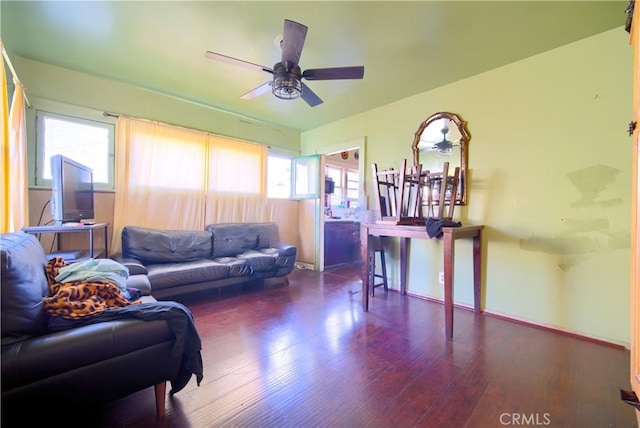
(305, 355)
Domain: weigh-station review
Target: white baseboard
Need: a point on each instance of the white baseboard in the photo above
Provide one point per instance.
(509, 317)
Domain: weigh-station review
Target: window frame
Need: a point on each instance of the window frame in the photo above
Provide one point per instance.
(73, 115)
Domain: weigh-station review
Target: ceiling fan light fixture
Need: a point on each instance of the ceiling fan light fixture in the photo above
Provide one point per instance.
(286, 88)
(287, 84)
(445, 151)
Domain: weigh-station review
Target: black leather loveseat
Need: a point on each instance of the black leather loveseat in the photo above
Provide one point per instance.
(180, 261)
(100, 358)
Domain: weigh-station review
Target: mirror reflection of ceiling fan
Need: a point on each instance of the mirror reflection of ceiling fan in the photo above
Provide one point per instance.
(442, 147)
(287, 76)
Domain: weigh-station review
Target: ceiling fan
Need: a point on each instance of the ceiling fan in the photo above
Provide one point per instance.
(287, 76)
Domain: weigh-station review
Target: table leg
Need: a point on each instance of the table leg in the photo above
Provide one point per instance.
(403, 265)
(477, 264)
(448, 253)
(91, 243)
(364, 252)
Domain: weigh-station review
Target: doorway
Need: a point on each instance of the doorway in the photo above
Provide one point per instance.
(340, 212)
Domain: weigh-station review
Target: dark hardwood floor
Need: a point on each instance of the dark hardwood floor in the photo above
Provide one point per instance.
(305, 355)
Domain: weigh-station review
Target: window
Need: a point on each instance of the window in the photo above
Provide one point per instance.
(278, 177)
(305, 177)
(86, 141)
(353, 187)
(283, 171)
(347, 186)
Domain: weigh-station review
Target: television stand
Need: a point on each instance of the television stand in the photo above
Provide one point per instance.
(81, 228)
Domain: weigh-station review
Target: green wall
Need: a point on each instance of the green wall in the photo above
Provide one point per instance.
(550, 177)
(550, 173)
(78, 89)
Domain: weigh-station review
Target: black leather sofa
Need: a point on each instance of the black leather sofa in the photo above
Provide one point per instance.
(173, 262)
(101, 358)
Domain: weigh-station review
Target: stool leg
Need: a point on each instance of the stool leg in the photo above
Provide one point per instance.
(372, 272)
(384, 270)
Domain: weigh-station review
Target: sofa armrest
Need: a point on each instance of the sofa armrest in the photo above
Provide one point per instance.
(287, 250)
(135, 266)
(141, 282)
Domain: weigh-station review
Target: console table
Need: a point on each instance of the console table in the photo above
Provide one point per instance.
(86, 228)
(450, 235)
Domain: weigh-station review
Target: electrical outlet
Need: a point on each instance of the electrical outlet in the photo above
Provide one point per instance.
(441, 277)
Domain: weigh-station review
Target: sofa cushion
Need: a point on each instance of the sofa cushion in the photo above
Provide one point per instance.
(36, 359)
(165, 246)
(167, 275)
(23, 287)
(267, 234)
(260, 261)
(230, 239)
(236, 266)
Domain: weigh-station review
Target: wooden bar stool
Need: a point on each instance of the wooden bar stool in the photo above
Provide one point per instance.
(377, 248)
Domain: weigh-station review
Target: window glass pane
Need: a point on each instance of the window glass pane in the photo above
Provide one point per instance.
(87, 142)
(336, 197)
(336, 174)
(353, 195)
(306, 176)
(278, 177)
(353, 180)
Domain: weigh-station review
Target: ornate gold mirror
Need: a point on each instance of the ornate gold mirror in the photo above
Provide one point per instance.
(443, 137)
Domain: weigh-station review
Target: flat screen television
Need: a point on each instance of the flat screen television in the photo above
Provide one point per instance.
(71, 191)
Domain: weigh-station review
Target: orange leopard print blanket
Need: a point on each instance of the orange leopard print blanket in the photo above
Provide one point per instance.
(79, 299)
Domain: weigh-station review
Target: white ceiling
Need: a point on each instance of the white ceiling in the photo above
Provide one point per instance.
(405, 47)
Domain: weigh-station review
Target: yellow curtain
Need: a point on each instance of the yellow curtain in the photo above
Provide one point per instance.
(169, 177)
(160, 177)
(236, 166)
(236, 188)
(5, 220)
(14, 162)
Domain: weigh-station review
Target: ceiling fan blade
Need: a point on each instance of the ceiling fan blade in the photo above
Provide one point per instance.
(309, 96)
(236, 61)
(356, 72)
(265, 87)
(292, 43)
